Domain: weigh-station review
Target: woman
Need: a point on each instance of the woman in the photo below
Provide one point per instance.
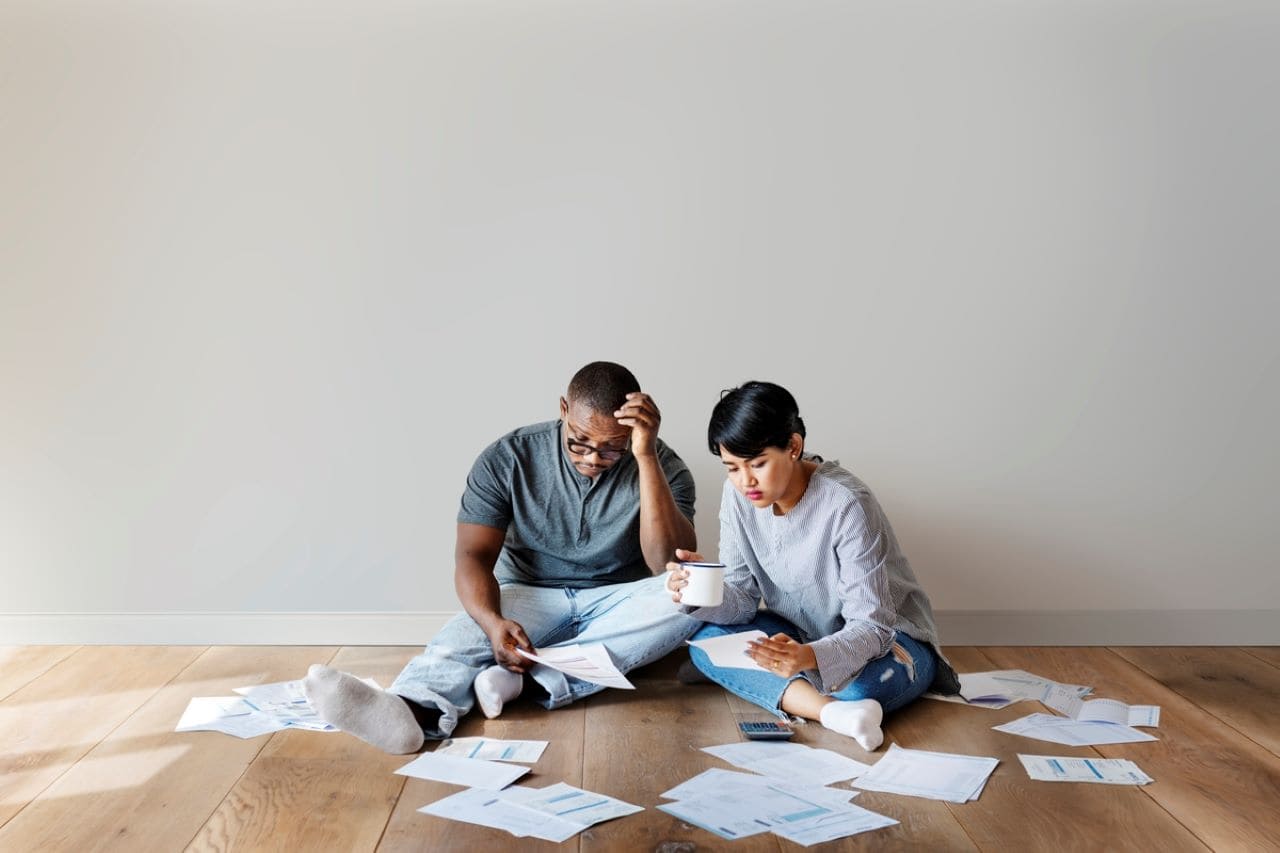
(849, 631)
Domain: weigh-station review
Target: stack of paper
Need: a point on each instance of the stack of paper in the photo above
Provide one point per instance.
(227, 714)
(261, 709)
(555, 813)
(936, 775)
(459, 770)
(720, 781)
(1001, 688)
(738, 805)
(1105, 710)
(1072, 732)
(587, 663)
(286, 701)
(794, 762)
(1105, 771)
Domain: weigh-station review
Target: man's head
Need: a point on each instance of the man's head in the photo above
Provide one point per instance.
(593, 437)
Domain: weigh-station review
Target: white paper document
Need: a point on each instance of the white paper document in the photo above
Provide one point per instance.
(1104, 771)
(841, 821)
(227, 714)
(792, 762)
(259, 709)
(743, 811)
(457, 770)
(523, 751)
(574, 805)
(555, 813)
(730, 650)
(1105, 710)
(486, 808)
(743, 814)
(586, 663)
(936, 775)
(719, 780)
(1072, 732)
(1001, 688)
(285, 701)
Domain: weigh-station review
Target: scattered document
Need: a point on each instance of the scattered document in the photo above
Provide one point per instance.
(259, 709)
(573, 805)
(1072, 732)
(936, 775)
(457, 770)
(523, 751)
(285, 701)
(486, 808)
(1001, 688)
(227, 714)
(586, 663)
(1105, 771)
(793, 762)
(1105, 710)
(555, 813)
(743, 814)
(841, 821)
(730, 650)
(718, 780)
(743, 810)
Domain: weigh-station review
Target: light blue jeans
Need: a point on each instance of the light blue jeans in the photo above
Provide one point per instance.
(894, 680)
(637, 622)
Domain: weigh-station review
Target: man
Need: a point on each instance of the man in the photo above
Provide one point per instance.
(564, 526)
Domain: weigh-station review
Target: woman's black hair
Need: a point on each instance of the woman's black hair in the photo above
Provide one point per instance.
(753, 416)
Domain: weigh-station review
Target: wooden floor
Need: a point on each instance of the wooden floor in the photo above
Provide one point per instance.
(89, 759)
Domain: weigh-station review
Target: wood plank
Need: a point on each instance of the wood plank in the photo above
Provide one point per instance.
(1017, 813)
(1219, 784)
(289, 803)
(1230, 684)
(51, 723)
(922, 824)
(297, 793)
(1270, 654)
(145, 785)
(20, 665)
(563, 728)
(646, 741)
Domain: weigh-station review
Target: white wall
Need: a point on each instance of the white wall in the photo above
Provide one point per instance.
(271, 274)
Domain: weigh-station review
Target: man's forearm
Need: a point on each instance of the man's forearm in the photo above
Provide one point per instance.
(663, 528)
(479, 592)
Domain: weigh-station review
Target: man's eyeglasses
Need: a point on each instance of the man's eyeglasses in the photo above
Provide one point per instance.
(610, 454)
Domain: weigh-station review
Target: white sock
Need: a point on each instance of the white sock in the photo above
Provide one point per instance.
(859, 720)
(375, 716)
(495, 687)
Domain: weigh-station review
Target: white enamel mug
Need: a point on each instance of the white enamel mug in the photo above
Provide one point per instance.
(706, 584)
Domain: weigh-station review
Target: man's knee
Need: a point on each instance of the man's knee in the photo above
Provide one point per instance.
(460, 641)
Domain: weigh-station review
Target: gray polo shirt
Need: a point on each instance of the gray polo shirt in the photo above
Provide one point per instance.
(564, 528)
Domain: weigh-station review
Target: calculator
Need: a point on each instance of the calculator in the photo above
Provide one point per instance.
(765, 730)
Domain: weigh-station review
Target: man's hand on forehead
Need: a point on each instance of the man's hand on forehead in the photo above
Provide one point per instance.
(641, 414)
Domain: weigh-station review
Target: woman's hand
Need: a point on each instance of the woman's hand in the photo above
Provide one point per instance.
(678, 575)
(782, 655)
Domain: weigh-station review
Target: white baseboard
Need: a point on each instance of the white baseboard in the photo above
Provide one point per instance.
(956, 627)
